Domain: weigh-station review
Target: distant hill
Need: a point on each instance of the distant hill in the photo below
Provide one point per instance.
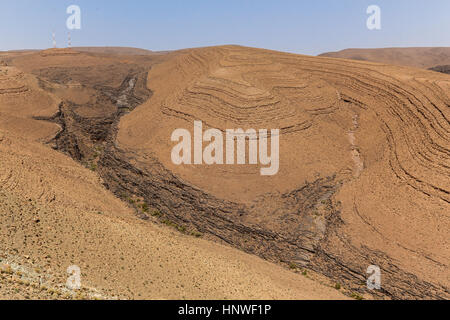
(104, 50)
(114, 50)
(412, 57)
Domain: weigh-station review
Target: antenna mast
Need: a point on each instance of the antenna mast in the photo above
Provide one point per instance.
(69, 41)
(54, 39)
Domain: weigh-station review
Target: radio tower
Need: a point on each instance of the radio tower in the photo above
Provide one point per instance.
(69, 41)
(54, 39)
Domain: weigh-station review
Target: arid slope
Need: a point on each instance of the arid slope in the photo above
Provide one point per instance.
(364, 161)
(55, 213)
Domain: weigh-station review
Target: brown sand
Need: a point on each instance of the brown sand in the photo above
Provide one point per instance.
(378, 135)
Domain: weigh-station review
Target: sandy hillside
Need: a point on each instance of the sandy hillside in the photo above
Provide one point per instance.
(55, 213)
(113, 50)
(414, 57)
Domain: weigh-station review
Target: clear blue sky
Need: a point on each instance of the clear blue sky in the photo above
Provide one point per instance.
(301, 26)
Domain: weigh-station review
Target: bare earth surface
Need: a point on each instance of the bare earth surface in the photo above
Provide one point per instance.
(367, 142)
(363, 180)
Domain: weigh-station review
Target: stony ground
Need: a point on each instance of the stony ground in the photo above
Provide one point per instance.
(364, 158)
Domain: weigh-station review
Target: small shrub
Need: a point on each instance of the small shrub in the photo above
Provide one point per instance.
(144, 207)
(356, 296)
(156, 213)
(196, 234)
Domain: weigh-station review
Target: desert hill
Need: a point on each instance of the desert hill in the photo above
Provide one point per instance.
(363, 173)
(359, 144)
(420, 57)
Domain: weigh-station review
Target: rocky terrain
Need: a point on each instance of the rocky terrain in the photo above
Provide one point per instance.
(56, 212)
(363, 179)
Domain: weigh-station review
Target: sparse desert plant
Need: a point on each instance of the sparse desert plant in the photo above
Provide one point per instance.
(356, 296)
(169, 223)
(156, 213)
(144, 207)
(196, 234)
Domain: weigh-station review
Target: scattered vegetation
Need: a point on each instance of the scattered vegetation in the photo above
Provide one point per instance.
(356, 296)
(90, 165)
